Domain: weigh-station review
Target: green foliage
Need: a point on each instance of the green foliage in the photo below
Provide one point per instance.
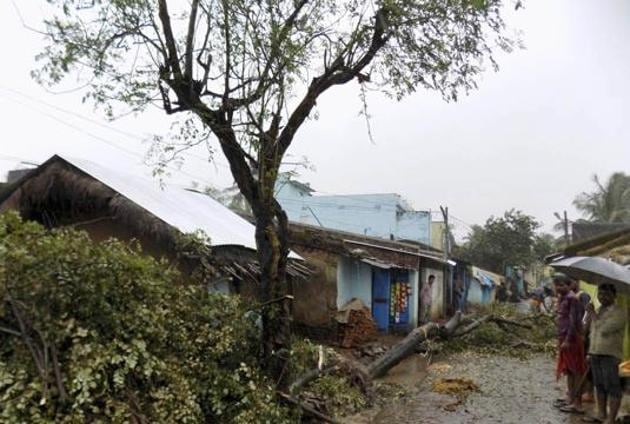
(507, 240)
(609, 202)
(132, 343)
(338, 395)
(505, 339)
(251, 58)
(341, 397)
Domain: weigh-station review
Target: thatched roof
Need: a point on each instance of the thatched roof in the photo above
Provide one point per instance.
(614, 245)
(602, 243)
(59, 193)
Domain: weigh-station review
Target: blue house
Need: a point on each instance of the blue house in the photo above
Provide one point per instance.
(386, 276)
(483, 285)
(386, 215)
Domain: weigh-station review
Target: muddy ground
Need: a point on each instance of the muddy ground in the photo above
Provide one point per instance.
(511, 391)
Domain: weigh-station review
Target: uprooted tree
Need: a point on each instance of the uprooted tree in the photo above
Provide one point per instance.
(249, 74)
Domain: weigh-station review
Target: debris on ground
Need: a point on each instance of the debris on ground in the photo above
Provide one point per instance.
(508, 334)
(460, 388)
(455, 386)
(338, 389)
(334, 396)
(370, 351)
(355, 324)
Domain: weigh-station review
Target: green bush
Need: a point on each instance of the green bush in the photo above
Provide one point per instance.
(131, 341)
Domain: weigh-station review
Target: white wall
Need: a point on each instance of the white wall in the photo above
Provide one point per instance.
(414, 313)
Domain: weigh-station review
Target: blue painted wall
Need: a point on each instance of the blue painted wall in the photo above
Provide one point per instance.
(376, 215)
(354, 279)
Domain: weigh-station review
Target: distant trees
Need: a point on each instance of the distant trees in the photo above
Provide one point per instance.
(510, 239)
(609, 202)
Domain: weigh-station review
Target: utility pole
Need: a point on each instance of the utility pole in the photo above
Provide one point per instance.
(447, 242)
(565, 225)
(566, 228)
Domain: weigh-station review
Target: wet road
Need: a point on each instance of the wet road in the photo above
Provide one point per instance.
(512, 391)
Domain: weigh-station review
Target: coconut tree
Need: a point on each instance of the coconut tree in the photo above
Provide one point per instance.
(609, 202)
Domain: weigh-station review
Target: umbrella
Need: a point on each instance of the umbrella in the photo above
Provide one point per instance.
(595, 270)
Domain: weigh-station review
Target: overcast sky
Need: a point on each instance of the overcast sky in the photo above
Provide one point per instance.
(529, 138)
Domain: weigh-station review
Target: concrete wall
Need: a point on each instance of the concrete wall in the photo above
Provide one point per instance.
(377, 215)
(437, 235)
(354, 280)
(414, 301)
(414, 225)
(315, 301)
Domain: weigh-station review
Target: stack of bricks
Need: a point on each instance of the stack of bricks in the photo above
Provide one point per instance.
(359, 329)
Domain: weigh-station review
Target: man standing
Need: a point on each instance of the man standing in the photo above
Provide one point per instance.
(607, 328)
(426, 297)
(571, 357)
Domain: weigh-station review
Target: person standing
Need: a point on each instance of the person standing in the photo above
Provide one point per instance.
(458, 295)
(607, 328)
(584, 299)
(571, 357)
(502, 293)
(426, 297)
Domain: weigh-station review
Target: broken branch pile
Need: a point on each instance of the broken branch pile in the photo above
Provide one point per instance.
(497, 329)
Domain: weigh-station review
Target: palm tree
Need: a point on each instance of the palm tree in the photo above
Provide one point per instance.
(609, 203)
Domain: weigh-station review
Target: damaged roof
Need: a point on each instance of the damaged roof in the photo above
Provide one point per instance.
(185, 210)
(376, 251)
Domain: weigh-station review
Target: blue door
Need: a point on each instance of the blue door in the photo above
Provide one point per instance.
(380, 297)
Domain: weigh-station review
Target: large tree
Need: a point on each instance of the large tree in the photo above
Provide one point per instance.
(609, 202)
(248, 74)
(510, 239)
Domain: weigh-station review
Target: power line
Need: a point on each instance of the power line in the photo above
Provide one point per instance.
(98, 123)
(461, 221)
(101, 139)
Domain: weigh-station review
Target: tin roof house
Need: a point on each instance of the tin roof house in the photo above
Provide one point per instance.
(106, 203)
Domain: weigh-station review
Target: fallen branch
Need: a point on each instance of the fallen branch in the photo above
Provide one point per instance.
(309, 410)
(309, 376)
(522, 343)
(510, 322)
(471, 327)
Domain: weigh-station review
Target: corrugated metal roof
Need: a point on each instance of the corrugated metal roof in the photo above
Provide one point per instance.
(486, 278)
(186, 210)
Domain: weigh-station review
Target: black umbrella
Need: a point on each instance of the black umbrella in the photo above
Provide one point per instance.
(595, 270)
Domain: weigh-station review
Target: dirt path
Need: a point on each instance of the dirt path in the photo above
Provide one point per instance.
(511, 391)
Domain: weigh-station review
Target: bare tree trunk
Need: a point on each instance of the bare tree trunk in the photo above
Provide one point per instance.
(407, 346)
(272, 247)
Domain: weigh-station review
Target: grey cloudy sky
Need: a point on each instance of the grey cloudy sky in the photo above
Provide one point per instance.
(530, 138)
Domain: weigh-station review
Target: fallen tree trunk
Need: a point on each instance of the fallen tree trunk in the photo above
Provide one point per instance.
(470, 327)
(407, 346)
